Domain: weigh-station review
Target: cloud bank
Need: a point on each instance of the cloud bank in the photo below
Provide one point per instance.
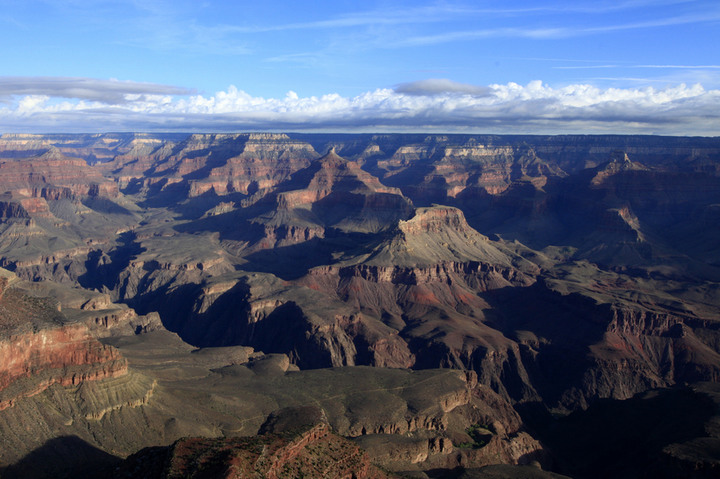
(105, 91)
(435, 105)
(438, 86)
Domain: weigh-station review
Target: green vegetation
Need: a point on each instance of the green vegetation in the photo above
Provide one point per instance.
(480, 435)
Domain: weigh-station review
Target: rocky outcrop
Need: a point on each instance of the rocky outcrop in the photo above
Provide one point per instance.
(619, 162)
(265, 161)
(51, 260)
(426, 433)
(332, 173)
(218, 164)
(278, 236)
(331, 193)
(440, 234)
(423, 286)
(444, 168)
(93, 148)
(643, 350)
(65, 356)
(53, 176)
(474, 427)
(13, 206)
(313, 452)
(38, 348)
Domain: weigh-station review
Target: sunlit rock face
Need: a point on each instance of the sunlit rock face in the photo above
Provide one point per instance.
(40, 347)
(53, 176)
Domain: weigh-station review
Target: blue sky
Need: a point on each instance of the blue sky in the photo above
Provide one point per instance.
(545, 66)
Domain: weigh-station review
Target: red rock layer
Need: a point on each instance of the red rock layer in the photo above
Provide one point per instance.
(314, 453)
(222, 164)
(53, 176)
(12, 206)
(37, 351)
(468, 167)
(66, 355)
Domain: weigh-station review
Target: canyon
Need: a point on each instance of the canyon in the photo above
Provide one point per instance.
(447, 303)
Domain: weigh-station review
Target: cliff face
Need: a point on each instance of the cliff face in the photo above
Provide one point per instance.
(16, 207)
(173, 390)
(443, 169)
(429, 432)
(462, 311)
(93, 148)
(331, 194)
(221, 164)
(433, 266)
(265, 161)
(67, 356)
(53, 176)
(40, 348)
(52, 208)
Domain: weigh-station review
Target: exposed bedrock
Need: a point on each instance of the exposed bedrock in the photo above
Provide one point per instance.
(528, 343)
(46, 341)
(53, 176)
(314, 451)
(591, 271)
(68, 355)
(575, 350)
(220, 164)
(406, 421)
(259, 240)
(472, 304)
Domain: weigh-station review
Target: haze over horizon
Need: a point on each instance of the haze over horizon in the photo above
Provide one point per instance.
(550, 67)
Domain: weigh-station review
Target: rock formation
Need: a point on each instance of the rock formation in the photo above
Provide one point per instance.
(53, 176)
(39, 348)
(303, 450)
(558, 271)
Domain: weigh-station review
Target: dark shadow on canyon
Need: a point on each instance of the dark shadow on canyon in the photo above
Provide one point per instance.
(104, 269)
(294, 261)
(625, 439)
(554, 332)
(65, 457)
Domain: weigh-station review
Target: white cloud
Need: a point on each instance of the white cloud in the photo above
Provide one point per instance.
(428, 105)
(31, 104)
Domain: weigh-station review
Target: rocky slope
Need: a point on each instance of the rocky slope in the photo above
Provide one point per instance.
(308, 449)
(558, 270)
(343, 196)
(40, 348)
(331, 197)
(119, 382)
(221, 164)
(53, 176)
(171, 392)
(416, 288)
(50, 353)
